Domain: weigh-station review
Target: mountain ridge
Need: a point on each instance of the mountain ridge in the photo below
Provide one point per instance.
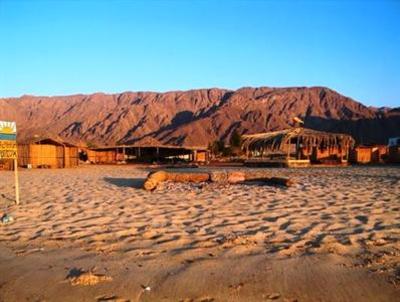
(196, 116)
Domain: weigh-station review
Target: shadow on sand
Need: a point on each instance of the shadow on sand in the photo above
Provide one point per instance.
(136, 183)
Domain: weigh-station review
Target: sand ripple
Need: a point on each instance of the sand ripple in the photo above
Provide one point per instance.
(347, 211)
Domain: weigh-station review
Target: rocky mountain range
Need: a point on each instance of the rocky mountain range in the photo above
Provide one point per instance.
(194, 117)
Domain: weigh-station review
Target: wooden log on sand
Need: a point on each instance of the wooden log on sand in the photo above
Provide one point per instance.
(227, 176)
(242, 176)
(153, 179)
(232, 177)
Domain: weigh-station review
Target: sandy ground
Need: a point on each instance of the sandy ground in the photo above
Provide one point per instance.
(333, 236)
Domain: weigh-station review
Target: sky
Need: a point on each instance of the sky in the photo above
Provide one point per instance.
(70, 47)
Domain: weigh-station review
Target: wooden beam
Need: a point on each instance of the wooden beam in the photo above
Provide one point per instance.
(16, 181)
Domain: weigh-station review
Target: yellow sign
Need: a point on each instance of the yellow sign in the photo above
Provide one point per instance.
(8, 143)
(8, 149)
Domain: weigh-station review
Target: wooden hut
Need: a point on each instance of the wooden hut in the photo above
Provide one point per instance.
(47, 153)
(369, 154)
(296, 147)
(102, 156)
(201, 156)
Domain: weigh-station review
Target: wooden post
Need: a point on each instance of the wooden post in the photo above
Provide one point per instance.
(65, 157)
(16, 181)
(39, 155)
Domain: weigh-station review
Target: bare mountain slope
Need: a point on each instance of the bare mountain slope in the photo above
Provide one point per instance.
(194, 117)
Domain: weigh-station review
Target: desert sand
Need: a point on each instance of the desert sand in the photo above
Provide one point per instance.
(332, 236)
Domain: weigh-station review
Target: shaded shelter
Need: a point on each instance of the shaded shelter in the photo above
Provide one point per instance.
(297, 146)
(147, 153)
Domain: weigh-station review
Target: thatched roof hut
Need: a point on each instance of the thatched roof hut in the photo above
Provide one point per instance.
(298, 143)
(278, 140)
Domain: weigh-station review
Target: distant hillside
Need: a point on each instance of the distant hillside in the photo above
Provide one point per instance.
(195, 117)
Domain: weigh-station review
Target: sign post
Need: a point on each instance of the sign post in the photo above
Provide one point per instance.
(8, 149)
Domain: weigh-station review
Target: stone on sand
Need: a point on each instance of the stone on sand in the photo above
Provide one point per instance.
(88, 278)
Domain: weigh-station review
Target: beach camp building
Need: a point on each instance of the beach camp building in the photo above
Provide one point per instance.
(296, 147)
(146, 153)
(367, 154)
(103, 155)
(47, 153)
